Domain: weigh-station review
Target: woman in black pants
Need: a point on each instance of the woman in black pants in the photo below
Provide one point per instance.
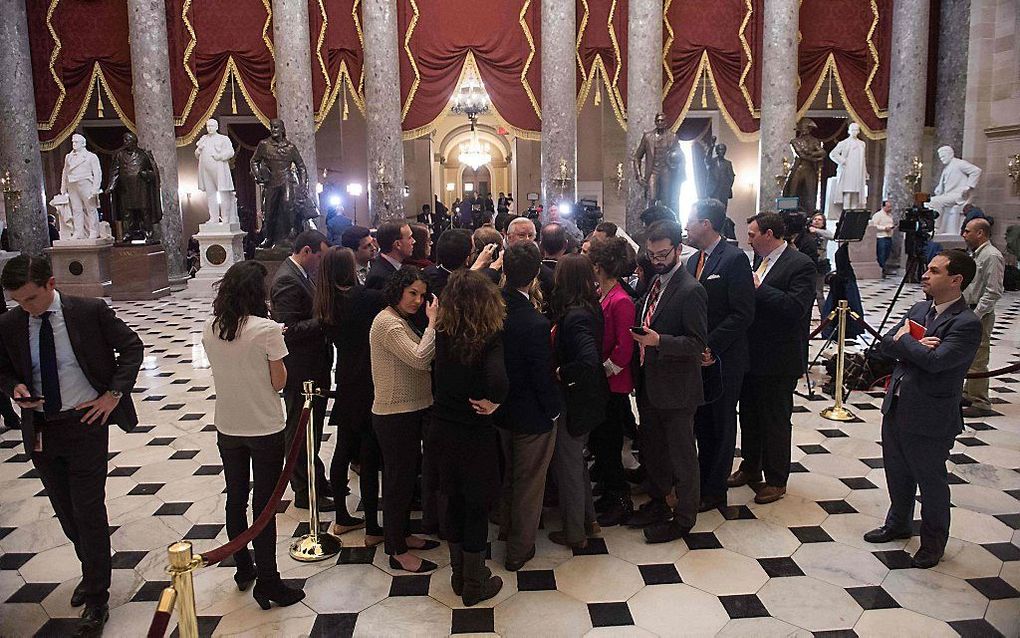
(245, 351)
(471, 382)
(345, 310)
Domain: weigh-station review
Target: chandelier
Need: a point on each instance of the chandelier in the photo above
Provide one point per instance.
(474, 153)
(470, 99)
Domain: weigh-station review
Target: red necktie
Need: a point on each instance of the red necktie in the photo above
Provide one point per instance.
(653, 299)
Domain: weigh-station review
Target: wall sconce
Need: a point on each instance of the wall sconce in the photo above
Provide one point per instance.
(1014, 172)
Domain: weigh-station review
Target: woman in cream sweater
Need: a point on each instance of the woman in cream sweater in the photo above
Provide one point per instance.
(401, 360)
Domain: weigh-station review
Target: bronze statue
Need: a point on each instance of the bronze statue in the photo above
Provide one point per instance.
(277, 167)
(803, 179)
(720, 175)
(134, 191)
(664, 165)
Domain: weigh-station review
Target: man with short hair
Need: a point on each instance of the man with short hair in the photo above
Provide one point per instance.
(520, 230)
(310, 355)
(396, 244)
(605, 230)
(553, 243)
(981, 296)
(784, 282)
(70, 363)
(921, 411)
(359, 239)
(453, 251)
(883, 222)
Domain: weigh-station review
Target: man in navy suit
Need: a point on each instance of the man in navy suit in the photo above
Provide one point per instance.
(725, 273)
(921, 410)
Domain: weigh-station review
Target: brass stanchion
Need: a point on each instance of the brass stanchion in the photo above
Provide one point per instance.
(837, 412)
(167, 600)
(182, 563)
(315, 545)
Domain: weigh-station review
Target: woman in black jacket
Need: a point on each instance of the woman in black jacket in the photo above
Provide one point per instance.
(345, 310)
(577, 339)
(470, 383)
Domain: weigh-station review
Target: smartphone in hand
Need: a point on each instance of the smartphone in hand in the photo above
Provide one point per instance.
(639, 330)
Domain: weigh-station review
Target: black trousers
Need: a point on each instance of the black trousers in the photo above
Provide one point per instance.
(294, 401)
(470, 480)
(606, 443)
(766, 405)
(7, 412)
(670, 455)
(433, 501)
(353, 411)
(913, 462)
(715, 426)
(72, 466)
(259, 458)
(399, 438)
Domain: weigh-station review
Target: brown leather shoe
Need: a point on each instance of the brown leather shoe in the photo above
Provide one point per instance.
(769, 494)
(740, 477)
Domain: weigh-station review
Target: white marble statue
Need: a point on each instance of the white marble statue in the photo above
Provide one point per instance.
(214, 151)
(81, 182)
(850, 186)
(959, 179)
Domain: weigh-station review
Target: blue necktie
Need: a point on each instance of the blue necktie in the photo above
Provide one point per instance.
(48, 366)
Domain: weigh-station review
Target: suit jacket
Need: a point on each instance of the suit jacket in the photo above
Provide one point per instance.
(108, 351)
(535, 400)
(310, 354)
(350, 336)
(929, 381)
(378, 272)
(778, 336)
(671, 374)
(729, 285)
(436, 278)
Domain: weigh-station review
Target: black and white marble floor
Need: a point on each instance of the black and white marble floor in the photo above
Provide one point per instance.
(795, 567)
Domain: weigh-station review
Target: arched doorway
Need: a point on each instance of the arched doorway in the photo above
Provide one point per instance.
(477, 180)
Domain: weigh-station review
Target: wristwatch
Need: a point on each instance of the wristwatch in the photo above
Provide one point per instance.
(116, 394)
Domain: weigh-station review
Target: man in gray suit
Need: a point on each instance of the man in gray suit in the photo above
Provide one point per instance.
(922, 405)
(673, 316)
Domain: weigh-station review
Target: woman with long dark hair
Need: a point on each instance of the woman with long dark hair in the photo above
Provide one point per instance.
(577, 339)
(345, 310)
(471, 382)
(245, 351)
(401, 363)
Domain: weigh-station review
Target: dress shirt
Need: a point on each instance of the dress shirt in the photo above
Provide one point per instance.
(362, 273)
(75, 389)
(883, 222)
(941, 307)
(985, 290)
(773, 257)
(299, 267)
(663, 282)
(708, 251)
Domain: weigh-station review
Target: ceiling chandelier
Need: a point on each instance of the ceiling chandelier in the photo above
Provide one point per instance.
(474, 153)
(472, 100)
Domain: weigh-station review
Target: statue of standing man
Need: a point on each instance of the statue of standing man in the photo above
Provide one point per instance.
(851, 170)
(278, 168)
(664, 165)
(214, 152)
(134, 191)
(82, 181)
(803, 180)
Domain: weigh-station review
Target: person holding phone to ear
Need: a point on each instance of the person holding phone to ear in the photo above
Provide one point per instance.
(70, 363)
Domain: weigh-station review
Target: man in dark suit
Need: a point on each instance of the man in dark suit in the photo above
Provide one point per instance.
(453, 250)
(395, 245)
(11, 419)
(674, 318)
(359, 239)
(310, 355)
(725, 273)
(82, 360)
(921, 410)
(527, 415)
(784, 280)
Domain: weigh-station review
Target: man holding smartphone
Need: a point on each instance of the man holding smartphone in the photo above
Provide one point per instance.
(70, 363)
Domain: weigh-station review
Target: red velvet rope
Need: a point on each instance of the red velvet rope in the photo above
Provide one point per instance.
(825, 321)
(160, 620)
(216, 555)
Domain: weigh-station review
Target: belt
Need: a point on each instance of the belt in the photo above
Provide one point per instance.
(60, 417)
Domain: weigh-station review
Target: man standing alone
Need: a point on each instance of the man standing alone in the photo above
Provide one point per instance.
(981, 296)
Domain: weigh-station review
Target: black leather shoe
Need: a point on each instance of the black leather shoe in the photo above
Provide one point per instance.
(665, 532)
(244, 578)
(884, 535)
(711, 504)
(619, 510)
(92, 621)
(426, 566)
(78, 595)
(515, 565)
(926, 558)
(740, 477)
(650, 513)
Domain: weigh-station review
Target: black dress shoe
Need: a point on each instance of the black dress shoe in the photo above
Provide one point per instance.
(884, 535)
(711, 504)
(426, 544)
(78, 595)
(926, 558)
(650, 513)
(92, 621)
(244, 578)
(665, 532)
(273, 590)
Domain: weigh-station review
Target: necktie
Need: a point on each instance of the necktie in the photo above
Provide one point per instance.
(762, 267)
(653, 298)
(48, 366)
(701, 266)
(930, 316)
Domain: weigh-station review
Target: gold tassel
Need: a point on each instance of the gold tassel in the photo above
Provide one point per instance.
(99, 97)
(233, 96)
(704, 87)
(343, 91)
(828, 95)
(598, 86)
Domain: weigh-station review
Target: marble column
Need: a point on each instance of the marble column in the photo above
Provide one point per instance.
(559, 103)
(951, 82)
(907, 87)
(644, 91)
(154, 120)
(382, 111)
(778, 95)
(19, 140)
(294, 80)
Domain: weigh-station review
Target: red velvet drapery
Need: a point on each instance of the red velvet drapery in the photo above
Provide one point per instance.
(602, 52)
(337, 54)
(503, 37)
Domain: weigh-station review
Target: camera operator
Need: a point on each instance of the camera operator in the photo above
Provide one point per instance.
(921, 410)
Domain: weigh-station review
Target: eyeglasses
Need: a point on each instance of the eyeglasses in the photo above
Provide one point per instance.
(662, 255)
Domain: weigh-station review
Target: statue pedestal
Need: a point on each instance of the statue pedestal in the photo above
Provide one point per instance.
(139, 272)
(82, 266)
(863, 258)
(220, 246)
(271, 258)
(949, 241)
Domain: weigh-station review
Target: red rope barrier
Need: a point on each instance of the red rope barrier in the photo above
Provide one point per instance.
(216, 555)
(821, 326)
(160, 620)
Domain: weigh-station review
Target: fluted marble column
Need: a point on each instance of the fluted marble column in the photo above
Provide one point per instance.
(778, 95)
(907, 87)
(154, 120)
(19, 139)
(382, 110)
(644, 90)
(559, 102)
(294, 80)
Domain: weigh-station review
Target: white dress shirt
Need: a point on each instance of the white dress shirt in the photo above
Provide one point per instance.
(75, 389)
(773, 257)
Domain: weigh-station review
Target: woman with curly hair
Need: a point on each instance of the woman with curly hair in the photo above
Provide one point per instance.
(471, 382)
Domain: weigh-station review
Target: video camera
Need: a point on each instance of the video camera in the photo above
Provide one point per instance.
(918, 219)
(587, 215)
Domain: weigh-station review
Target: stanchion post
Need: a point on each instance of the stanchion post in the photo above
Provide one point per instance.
(837, 412)
(182, 563)
(315, 545)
